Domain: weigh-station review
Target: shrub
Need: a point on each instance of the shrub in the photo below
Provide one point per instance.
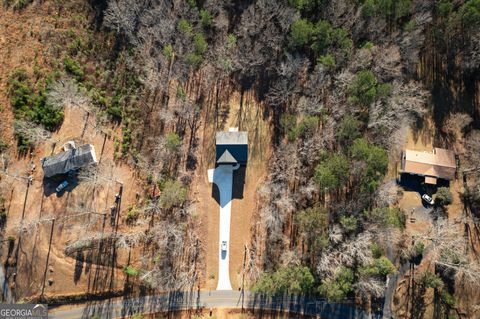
(185, 27)
(377, 251)
(376, 159)
(200, 44)
(31, 106)
(363, 89)
(231, 41)
(338, 288)
(302, 32)
(126, 140)
(132, 214)
(380, 267)
(349, 223)
(430, 280)
(386, 217)
(332, 172)
(409, 26)
(168, 51)
(173, 142)
(3, 145)
(327, 61)
(349, 129)
(444, 7)
(305, 5)
(130, 271)
(193, 59)
(288, 122)
(173, 194)
(444, 196)
(470, 14)
(73, 67)
(294, 280)
(206, 18)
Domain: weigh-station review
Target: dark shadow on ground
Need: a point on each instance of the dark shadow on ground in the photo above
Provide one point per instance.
(50, 184)
(238, 185)
(238, 182)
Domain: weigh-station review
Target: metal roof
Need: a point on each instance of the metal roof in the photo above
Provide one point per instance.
(227, 158)
(440, 163)
(231, 138)
(64, 162)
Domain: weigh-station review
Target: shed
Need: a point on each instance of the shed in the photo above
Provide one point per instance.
(432, 165)
(231, 147)
(64, 162)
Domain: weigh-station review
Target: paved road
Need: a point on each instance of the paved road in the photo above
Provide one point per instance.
(118, 308)
(7, 295)
(223, 178)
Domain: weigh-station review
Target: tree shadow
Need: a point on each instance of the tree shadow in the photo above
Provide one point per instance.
(79, 260)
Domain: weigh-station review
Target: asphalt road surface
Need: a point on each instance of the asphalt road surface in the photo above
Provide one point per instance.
(119, 308)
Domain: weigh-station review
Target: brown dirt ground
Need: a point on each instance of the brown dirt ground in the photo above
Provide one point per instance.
(249, 118)
(21, 37)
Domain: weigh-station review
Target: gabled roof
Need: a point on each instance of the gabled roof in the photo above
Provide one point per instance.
(440, 163)
(64, 162)
(226, 158)
(231, 138)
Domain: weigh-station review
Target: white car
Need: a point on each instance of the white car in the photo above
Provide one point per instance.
(224, 245)
(427, 199)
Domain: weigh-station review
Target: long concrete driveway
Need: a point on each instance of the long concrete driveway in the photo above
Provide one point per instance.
(222, 176)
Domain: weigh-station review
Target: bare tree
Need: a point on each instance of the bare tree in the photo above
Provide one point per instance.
(67, 93)
(33, 133)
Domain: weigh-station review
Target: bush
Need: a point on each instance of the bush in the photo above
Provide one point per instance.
(444, 196)
(200, 44)
(327, 61)
(173, 194)
(3, 145)
(332, 172)
(302, 32)
(444, 8)
(386, 217)
(349, 223)
(470, 14)
(130, 271)
(185, 27)
(193, 59)
(380, 267)
(363, 89)
(376, 159)
(349, 129)
(206, 18)
(173, 142)
(132, 214)
(168, 51)
(338, 288)
(231, 41)
(31, 106)
(430, 280)
(293, 280)
(73, 67)
(305, 5)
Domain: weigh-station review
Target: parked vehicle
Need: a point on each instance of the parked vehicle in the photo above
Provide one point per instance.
(428, 199)
(61, 187)
(224, 245)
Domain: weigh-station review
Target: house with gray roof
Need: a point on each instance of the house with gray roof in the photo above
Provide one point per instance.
(231, 147)
(70, 160)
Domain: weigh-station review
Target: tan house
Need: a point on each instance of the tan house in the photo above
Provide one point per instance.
(438, 164)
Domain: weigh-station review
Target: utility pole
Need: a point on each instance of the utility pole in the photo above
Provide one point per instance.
(48, 257)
